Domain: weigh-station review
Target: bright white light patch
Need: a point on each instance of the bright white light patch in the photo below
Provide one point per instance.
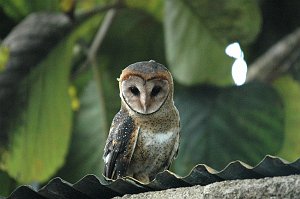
(239, 67)
(239, 71)
(234, 50)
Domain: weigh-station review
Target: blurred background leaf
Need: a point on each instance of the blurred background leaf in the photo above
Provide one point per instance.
(289, 90)
(220, 125)
(230, 20)
(87, 144)
(40, 134)
(192, 28)
(4, 56)
(7, 184)
(26, 48)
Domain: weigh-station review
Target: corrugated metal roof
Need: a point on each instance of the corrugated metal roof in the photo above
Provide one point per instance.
(91, 186)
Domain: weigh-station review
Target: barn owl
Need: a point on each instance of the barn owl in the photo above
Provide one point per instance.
(144, 135)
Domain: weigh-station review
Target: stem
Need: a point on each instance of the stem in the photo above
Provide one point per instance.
(107, 21)
(91, 58)
(81, 16)
(92, 51)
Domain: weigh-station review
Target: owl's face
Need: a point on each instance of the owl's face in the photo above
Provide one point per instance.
(144, 96)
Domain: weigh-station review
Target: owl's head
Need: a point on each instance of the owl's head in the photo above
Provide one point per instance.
(146, 86)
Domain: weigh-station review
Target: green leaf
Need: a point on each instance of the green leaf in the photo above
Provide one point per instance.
(197, 33)
(28, 44)
(40, 134)
(222, 125)
(289, 90)
(40, 138)
(7, 184)
(18, 9)
(88, 140)
(4, 56)
(154, 7)
(229, 20)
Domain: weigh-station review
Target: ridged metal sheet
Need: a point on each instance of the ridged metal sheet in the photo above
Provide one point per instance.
(91, 187)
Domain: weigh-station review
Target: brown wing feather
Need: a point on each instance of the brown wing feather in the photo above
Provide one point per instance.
(119, 146)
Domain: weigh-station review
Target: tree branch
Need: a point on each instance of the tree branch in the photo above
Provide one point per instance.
(277, 60)
(96, 43)
(92, 59)
(107, 21)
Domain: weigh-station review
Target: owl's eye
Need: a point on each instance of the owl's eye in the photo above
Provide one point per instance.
(134, 90)
(155, 91)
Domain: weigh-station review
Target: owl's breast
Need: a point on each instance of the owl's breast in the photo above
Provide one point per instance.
(157, 142)
(154, 150)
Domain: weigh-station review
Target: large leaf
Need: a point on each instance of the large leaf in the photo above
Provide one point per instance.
(40, 138)
(229, 20)
(197, 32)
(27, 44)
(20, 8)
(220, 125)
(289, 90)
(86, 150)
(7, 184)
(40, 133)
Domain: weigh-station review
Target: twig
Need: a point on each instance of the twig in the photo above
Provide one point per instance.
(92, 51)
(277, 60)
(81, 16)
(101, 34)
(92, 59)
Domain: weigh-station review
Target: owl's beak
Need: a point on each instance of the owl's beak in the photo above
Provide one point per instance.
(143, 101)
(145, 109)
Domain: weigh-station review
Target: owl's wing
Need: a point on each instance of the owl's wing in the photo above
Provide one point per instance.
(119, 146)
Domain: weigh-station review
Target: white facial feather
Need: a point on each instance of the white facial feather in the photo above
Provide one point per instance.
(143, 96)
